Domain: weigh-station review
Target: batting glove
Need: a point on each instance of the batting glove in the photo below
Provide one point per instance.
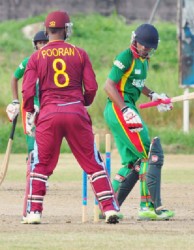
(36, 109)
(132, 119)
(13, 110)
(161, 107)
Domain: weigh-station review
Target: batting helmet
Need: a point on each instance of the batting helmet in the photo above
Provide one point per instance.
(59, 19)
(40, 36)
(147, 35)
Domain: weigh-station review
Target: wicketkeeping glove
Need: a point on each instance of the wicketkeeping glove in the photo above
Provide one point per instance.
(132, 119)
(13, 110)
(161, 107)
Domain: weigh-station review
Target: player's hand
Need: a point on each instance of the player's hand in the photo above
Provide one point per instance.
(132, 119)
(36, 109)
(13, 110)
(161, 107)
(30, 121)
(30, 125)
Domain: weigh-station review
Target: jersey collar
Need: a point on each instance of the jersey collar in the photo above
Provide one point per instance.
(134, 51)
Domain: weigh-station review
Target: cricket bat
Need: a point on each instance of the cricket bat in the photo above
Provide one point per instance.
(4, 166)
(179, 98)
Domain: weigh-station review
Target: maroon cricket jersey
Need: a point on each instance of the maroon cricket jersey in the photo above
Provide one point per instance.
(65, 75)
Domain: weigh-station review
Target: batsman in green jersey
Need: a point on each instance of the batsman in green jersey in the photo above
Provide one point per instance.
(13, 108)
(141, 159)
(18, 74)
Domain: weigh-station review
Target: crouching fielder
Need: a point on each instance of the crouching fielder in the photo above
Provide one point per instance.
(66, 85)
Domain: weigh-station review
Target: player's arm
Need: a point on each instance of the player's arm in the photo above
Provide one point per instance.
(120, 64)
(89, 82)
(113, 94)
(29, 85)
(14, 88)
(14, 107)
(146, 91)
(131, 118)
(18, 74)
(28, 93)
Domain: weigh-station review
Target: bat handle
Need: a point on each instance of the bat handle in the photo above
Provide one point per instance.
(155, 103)
(13, 128)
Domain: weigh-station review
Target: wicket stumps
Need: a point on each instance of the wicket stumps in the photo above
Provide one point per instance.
(85, 179)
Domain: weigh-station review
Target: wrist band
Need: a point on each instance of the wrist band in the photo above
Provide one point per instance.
(123, 109)
(16, 101)
(150, 94)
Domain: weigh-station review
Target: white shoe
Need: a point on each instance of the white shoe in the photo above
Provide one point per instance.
(34, 217)
(24, 220)
(111, 217)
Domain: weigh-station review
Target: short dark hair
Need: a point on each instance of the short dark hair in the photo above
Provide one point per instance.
(55, 30)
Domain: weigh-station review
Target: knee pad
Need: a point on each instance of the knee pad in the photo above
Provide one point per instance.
(127, 185)
(156, 155)
(129, 182)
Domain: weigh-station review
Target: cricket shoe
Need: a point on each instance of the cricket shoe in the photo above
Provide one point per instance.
(34, 217)
(147, 213)
(24, 220)
(111, 217)
(101, 216)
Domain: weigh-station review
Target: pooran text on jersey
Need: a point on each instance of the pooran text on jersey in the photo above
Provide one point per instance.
(58, 52)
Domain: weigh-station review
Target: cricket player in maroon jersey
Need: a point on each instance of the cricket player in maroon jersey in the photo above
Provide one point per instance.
(66, 85)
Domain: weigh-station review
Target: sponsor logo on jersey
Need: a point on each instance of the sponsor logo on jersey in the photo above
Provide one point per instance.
(154, 158)
(138, 83)
(137, 71)
(119, 64)
(21, 66)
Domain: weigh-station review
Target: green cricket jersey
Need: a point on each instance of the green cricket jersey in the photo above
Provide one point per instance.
(129, 73)
(19, 72)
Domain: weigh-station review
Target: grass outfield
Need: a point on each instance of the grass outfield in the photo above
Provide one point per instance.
(103, 39)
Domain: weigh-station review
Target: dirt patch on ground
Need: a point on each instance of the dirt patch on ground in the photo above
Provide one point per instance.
(63, 203)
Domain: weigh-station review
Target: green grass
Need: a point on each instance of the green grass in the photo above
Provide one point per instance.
(103, 38)
(87, 241)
